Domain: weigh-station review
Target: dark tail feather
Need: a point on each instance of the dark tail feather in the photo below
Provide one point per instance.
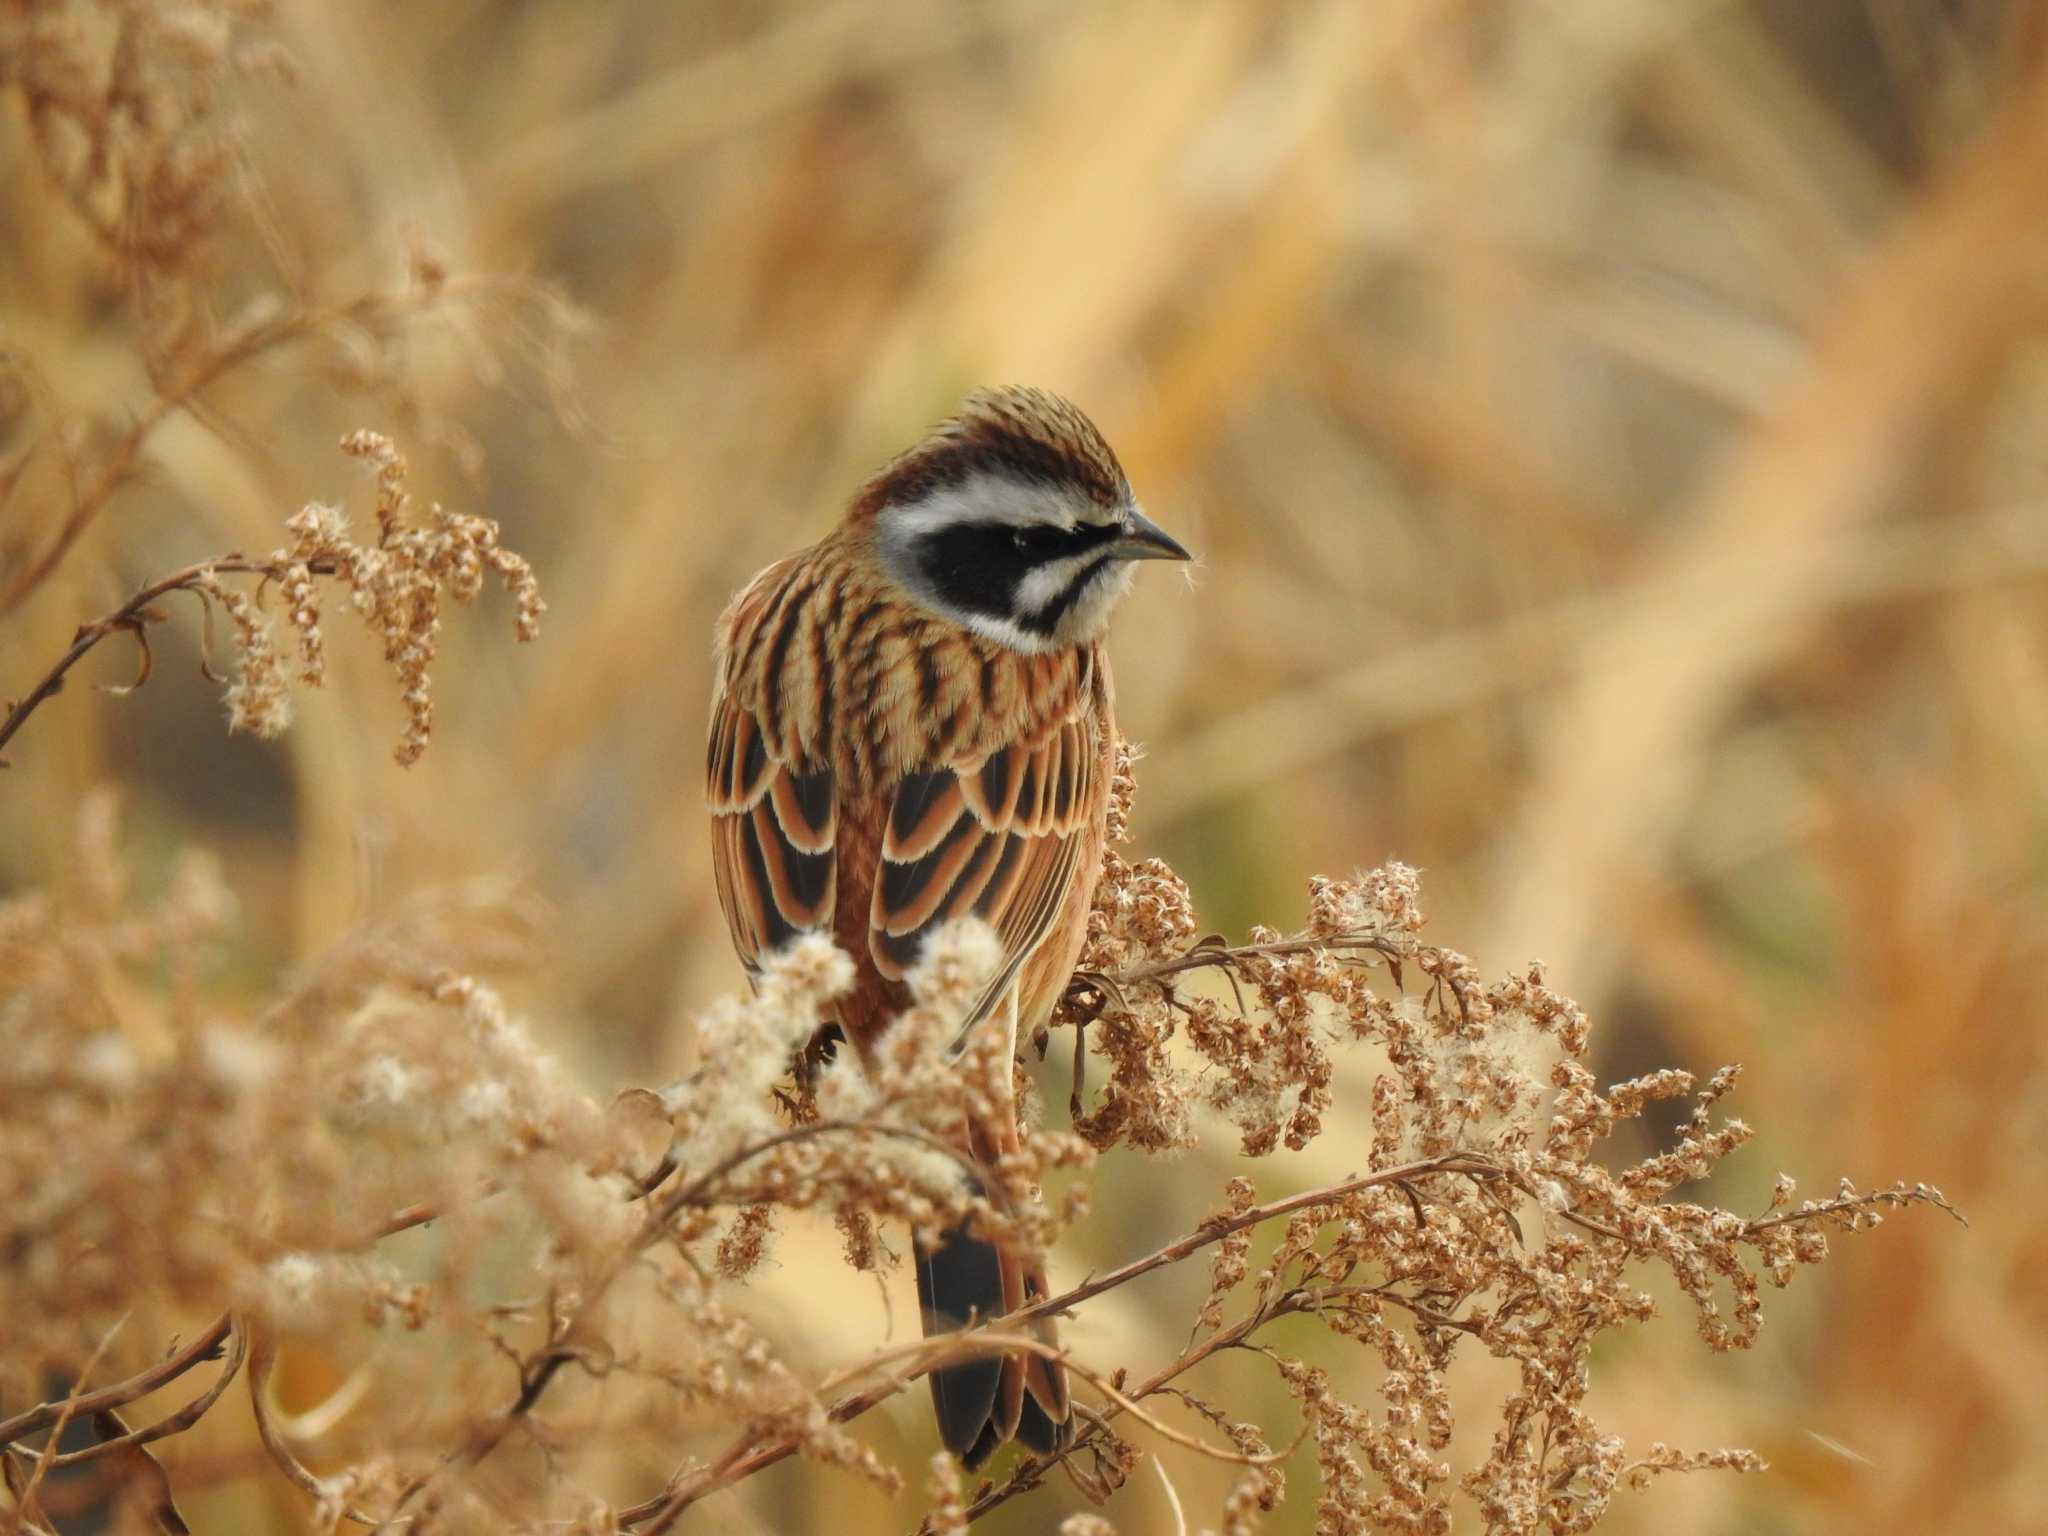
(1037, 1432)
(981, 1403)
(961, 1281)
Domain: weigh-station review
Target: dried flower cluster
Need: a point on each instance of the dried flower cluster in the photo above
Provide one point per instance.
(396, 587)
(267, 1165)
(867, 1145)
(1463, 1056)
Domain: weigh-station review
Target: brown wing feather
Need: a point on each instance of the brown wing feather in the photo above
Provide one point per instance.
(969, 781)
(1000, 839)
(773, 831)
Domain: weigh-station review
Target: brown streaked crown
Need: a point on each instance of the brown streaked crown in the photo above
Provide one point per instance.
(1015, 431)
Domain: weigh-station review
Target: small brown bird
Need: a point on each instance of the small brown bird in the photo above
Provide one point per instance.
(911, 722)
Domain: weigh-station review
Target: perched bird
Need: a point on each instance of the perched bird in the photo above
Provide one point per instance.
(911, 722)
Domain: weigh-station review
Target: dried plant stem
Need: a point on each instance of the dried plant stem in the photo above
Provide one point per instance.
(242, 345)
(539, 1370)
(760, 1448)
(25, 1497)
(703, 1190)
(172, 1424)
(1213, 953)
(1219, 1227)
(202, 1348)
(133, 618)
(769, 1440)
(262, 1359)
(206, 1345)
(120, 463)
(1030, 1473)
(397, 586)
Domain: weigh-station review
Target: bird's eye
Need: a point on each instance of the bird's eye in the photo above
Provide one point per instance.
(1020, 539)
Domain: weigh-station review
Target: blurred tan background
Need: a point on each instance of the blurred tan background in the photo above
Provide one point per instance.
(1612, 438)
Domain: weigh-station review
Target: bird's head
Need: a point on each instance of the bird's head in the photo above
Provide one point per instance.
(1013, 519)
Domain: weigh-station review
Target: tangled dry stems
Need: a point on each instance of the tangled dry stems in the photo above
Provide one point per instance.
(134, 113)
(1483, 1218)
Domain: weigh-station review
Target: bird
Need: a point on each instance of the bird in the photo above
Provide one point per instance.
(913, 722)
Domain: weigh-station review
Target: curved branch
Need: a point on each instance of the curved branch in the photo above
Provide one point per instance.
(203, 1348)
(172, 1424)
(263, 1357)
(1031, 1473)
(131, 618)
(1218, 1227)
(539, 1371)
(1211, 953)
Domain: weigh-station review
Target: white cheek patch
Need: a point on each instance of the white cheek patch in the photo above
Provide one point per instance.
(999, 500)
(1043, 586)
(1090, 613)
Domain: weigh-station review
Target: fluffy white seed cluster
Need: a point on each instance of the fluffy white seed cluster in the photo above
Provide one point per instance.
(303, 1293)
(745, 1046)
(258, 701)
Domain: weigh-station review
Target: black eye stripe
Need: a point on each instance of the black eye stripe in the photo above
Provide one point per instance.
(977, 566)
(1042, 542)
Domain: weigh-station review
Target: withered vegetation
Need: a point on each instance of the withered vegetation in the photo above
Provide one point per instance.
(540, 1282)
(263, 1163)
(396, 586)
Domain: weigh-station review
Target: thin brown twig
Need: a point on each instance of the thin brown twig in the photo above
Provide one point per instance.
(539, 1371)
(1213, 953)
(1031, 1473)
(262, 1359)
(405, 1220)
(1810, 1210)
(699, 1189)
(202, 1348)
(48, 1457)
(132, 617)
(205, 1347)
(913, 1360)
(171, 1424)
(1221, 1226)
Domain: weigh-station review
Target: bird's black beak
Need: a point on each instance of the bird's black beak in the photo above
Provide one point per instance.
(1145, 540)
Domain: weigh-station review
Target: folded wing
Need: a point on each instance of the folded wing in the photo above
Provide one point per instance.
(995, 839)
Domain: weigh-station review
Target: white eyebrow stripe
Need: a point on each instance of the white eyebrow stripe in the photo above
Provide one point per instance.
(981, 498)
